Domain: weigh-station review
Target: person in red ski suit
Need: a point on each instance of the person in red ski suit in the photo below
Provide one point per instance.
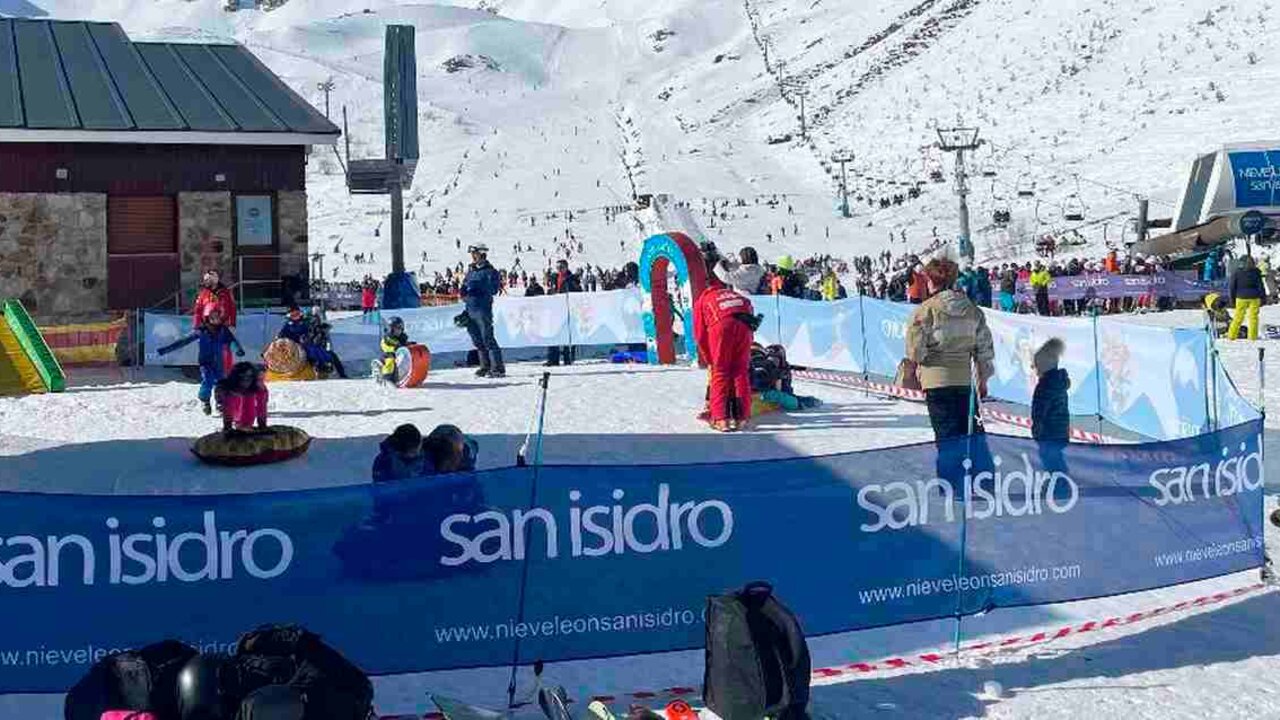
(724, 336)
(213, 295)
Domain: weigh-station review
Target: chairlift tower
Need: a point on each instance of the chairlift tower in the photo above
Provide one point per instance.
(389, 175)
(326, 87)
(959, 141)
(796, 87)
(843, 157)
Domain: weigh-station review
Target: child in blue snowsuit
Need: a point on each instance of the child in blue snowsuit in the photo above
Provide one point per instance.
(1050, 406)
(214, 338)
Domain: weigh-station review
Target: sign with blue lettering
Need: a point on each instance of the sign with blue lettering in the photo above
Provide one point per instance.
(1257, 177)
(425, 574)
(1252, 223)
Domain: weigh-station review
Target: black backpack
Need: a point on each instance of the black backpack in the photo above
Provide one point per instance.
(757, 662)
(145, 680)
(332, 687)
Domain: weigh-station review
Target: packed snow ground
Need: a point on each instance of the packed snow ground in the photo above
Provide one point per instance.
(110, 435)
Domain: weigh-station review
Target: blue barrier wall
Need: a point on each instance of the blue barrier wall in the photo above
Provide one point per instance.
(424, 575)
(1154, 381)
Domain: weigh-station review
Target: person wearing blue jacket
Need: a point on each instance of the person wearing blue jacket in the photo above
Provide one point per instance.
(296, 327)
(984, 288)
(1050, 407)
(480, 284)
(214, 338)
(399, 455)
(968, 283)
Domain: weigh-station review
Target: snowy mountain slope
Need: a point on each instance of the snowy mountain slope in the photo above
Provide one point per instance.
(575, 104)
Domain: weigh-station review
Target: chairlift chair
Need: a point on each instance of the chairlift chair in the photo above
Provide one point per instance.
(1026, 185)
(1001, 216)
(1073, 209)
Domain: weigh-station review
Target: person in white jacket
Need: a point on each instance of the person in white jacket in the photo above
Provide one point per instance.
(744, 275)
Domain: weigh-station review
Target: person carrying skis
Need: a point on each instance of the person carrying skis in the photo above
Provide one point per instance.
(724, 325)
(479, 286)
(213, 295)
(394, 339)
(215, 340)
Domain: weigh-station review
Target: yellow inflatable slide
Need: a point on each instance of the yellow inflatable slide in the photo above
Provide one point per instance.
(26, 363)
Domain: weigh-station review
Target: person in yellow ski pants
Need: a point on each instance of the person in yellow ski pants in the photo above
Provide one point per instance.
(1247, 290)
(1244, 306)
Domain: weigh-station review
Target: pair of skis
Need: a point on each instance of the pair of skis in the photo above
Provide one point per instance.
(554, 704)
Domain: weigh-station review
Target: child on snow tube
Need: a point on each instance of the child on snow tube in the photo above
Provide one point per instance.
(312, 333)
(242, 399)
(395, 339)
(771, 377)
(245, 438)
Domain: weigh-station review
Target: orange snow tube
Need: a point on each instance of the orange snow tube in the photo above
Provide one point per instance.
(284, 357)
(306, 372)
(413, 362)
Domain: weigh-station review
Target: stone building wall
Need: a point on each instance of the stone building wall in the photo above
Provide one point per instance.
(291, 220)
(53, 254)
(204, 237)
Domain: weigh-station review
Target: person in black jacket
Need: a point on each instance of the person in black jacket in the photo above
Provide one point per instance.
(1050, 410)
(481, 283)
(563, 281)
(1247, 291)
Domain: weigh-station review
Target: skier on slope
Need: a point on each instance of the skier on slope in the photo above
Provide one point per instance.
(724, 325)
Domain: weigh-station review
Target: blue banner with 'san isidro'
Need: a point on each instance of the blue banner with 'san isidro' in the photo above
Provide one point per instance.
(425, 574)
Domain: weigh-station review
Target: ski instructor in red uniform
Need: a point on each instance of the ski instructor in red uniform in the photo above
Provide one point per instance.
(213, 295)
(724, 327)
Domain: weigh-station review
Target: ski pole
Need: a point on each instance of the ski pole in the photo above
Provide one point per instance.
(974, 409)
(524, 568)
(1262, 380)
(523, 450)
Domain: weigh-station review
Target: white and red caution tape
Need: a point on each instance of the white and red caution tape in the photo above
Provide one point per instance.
(930, 659)
(902, 393)
(1041, 637)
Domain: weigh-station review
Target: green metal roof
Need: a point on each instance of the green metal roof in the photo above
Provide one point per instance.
(87, 76)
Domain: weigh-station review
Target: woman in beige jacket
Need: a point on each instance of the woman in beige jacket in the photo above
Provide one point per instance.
(949, 344)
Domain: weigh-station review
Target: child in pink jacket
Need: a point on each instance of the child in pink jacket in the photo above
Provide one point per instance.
(242, 399)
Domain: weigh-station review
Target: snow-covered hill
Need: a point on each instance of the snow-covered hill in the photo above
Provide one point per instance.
(547, 106)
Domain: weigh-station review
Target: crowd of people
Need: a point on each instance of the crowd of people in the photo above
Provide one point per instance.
(1024, 287)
